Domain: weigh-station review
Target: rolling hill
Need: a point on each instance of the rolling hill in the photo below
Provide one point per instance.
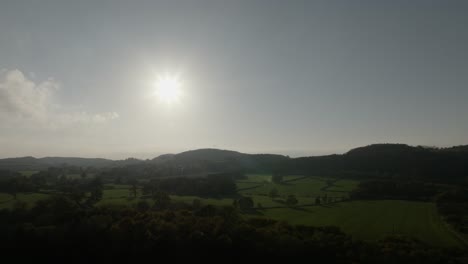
(394, 160)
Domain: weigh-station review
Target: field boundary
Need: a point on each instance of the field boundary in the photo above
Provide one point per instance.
(452, 231)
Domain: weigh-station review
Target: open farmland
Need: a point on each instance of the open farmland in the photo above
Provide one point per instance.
(367, 220)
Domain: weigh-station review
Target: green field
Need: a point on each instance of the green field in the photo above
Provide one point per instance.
(367, 220)
(371, 220)
(298, 185)
(27, 173)
(7, 201)
(5, 198)
(119, 195)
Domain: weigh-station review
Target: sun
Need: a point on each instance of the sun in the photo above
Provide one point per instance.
(168, 88)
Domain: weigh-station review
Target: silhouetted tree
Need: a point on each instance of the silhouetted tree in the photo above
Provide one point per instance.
(245, 203)
(162, 200)
(324, 198)
(95, 192)
(133, 188)
(143, 205)
(277, 177)
(317, 200)
(291, 200)
(196, 203)
(273, 193)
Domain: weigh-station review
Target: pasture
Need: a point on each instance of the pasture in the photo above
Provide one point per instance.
(7, 200)
(27, 173)
(367, 220)
(372, 220)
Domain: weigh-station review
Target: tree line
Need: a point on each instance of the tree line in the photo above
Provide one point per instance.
(58, 229)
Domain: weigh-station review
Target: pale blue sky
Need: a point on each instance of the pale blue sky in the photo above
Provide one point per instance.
(291, 77)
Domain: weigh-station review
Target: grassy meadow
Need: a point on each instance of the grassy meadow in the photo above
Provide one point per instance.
(371, 220)
(367, 220)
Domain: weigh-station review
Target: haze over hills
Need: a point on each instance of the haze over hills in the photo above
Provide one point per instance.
(398, 159)
(31, 163)
(212, 155)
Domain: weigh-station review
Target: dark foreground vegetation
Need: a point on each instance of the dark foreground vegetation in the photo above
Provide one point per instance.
(57, 229)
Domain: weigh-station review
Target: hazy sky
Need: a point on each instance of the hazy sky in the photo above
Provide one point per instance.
(292, 77)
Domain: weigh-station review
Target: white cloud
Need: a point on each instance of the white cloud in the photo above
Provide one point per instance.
(22, 100)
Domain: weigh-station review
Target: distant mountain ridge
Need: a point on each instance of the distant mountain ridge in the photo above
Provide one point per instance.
(388, 158)
(258, 162)
(31, 163)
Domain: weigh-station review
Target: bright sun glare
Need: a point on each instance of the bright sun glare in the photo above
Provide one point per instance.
(168, 88)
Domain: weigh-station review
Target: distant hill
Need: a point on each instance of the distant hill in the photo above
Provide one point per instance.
(377, 160)
(31, 163)
(256, 162)
(389, 160)
(457, 148)
(23, 163)
(383, 150)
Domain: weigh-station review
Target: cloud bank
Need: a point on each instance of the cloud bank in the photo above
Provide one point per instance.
(24, 101)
